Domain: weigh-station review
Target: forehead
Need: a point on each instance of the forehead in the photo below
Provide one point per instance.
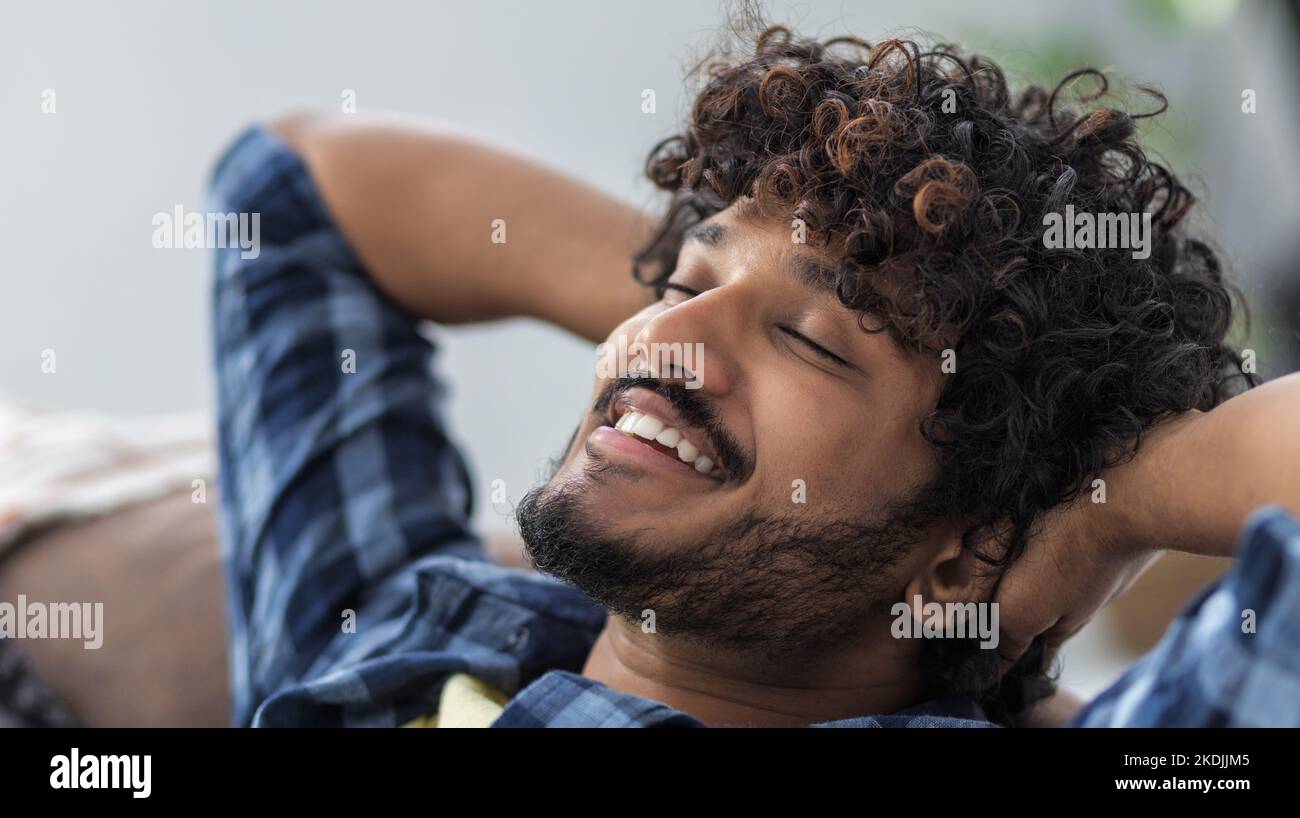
(815, 270)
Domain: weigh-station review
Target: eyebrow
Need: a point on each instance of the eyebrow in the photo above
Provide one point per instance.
(710, 234)
(817, 275)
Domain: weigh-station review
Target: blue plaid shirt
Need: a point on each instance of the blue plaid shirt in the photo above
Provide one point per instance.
(356, 587)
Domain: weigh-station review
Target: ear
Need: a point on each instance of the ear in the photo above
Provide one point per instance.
(952, 574)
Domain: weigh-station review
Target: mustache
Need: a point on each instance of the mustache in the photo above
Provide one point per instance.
(695, 410)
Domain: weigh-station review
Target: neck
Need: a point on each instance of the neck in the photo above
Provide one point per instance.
(717, 688)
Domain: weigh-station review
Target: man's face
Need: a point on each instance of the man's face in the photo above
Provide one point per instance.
(791, 530)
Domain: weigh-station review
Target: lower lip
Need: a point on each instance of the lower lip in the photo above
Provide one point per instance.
(610, 438)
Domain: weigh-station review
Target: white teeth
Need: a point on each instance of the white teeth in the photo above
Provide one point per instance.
(686, 451)
(648, 427)
(626, 422)
(669, 437)
(652, 428)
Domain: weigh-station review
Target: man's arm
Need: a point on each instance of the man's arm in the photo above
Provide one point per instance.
(1191, 486)
(337, 472)
(1199, 476)
(341, 492)
(1196, 479)
(419, 205)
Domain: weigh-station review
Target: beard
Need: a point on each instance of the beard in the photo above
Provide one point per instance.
(780, 587)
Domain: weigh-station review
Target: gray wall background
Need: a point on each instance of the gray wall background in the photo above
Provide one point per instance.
(149, 92)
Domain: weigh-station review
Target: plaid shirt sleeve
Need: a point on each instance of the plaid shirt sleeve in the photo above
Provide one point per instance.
(1232, 658)
(334, 478)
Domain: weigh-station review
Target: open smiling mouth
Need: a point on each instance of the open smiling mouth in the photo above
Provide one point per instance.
(653, 433)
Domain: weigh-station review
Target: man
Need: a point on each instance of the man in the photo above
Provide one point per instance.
(898, 389)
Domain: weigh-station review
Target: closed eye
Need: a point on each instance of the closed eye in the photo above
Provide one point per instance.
(815, 347)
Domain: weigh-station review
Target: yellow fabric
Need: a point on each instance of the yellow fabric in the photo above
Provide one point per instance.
(465, 702)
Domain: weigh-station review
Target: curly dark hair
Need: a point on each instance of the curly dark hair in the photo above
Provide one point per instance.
(918, 168)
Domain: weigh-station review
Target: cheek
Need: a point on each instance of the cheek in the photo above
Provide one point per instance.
(806, 453)
(836, 459)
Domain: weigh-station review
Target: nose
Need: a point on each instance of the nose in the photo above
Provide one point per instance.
(692, 343)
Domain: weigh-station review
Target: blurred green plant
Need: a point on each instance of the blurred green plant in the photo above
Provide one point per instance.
(1172, 137)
